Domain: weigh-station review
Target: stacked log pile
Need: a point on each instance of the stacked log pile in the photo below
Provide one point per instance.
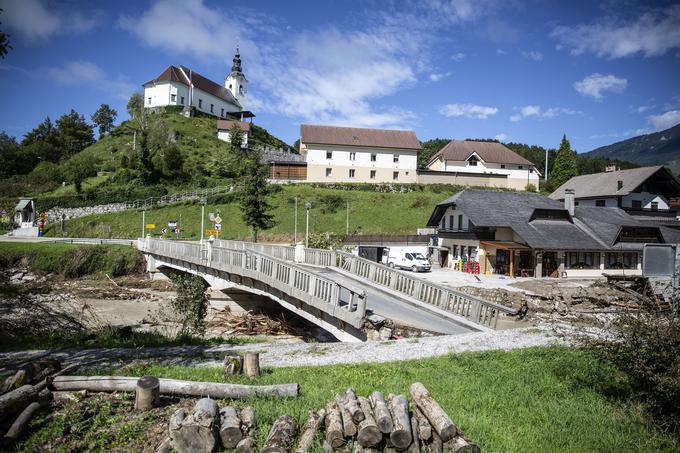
(376, 423)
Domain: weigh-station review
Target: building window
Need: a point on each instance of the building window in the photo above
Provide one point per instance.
(181, 100)
(173, 98)
(352, 156)
(329, 171)
(329, 154)
(351, 173)
(230, 87)
(406, 173)
(200, 103)
(576, 203)
(240, 89)
(472, 161)
(502, 165)
(460, 222)
(396, 158)
(655, 205)
(221, 112)
(520, 166)
(637, 204)
(372, 174)
(618, 260)
(443, 222)
(455, 251)
(374, 157)
(531, 170)
(395, 175)
(211, 107)
(149, 101)
(582, 260)
(600, 203)
(450, 222)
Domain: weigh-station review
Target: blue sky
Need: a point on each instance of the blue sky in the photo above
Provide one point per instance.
(525, 71)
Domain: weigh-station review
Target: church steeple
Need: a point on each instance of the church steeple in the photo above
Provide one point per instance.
(236, 81)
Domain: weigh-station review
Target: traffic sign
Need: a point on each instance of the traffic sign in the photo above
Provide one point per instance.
(172, 224)
(150, 226)
(211, 216)
(164, 230)
(209, 232)
(218, 226)
(218, 219)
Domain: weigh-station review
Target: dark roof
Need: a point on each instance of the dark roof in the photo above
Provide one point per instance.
(174, 74)
(535, 219)
(607, 184)
(353, 136)
(226, 125)
(488, 151)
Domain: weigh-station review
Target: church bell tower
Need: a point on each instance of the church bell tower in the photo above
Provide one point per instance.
(236, 82)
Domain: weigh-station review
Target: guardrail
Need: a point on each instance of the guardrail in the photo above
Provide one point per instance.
(344, 302)
(472, 308)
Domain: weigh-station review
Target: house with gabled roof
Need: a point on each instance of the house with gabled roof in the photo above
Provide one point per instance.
(526, 234)
(182, 86)
(489, 164)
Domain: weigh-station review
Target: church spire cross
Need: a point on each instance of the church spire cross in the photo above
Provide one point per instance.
(236, 67)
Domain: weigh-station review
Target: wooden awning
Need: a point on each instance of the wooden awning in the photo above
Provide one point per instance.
(504, 245)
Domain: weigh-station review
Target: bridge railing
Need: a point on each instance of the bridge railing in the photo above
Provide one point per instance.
(472, 308)
(344, 302)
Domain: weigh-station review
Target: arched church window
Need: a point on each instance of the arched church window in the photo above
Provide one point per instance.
(240, 89)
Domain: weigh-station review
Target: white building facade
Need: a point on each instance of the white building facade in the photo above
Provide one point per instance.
(356, 155)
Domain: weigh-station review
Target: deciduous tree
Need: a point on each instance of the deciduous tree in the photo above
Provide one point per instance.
(74, 134)
(103, 118)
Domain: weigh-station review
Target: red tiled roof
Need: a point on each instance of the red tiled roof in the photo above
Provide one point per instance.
(226, 125)
(488, 151)
(174, 74)
(353, 136)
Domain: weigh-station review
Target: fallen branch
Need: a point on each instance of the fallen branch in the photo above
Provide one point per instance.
(173, 387)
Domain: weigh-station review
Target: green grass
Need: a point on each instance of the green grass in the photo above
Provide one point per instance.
(72, 260)
(535, 400)
(370, 213)
(70, 189)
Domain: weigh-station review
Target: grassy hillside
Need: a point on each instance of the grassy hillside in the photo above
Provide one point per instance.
(370, 213)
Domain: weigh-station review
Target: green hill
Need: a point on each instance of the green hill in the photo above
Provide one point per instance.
(659, 148)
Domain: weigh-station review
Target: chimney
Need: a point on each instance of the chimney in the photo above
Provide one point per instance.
(619, 185)
(569, 201)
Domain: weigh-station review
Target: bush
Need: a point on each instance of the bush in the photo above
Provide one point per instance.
(330, 203)
(191, 303)
(646, 347)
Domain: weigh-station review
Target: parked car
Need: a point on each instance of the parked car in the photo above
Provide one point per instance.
(406, 258)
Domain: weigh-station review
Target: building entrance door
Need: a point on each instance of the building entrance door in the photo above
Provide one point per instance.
(549, 263)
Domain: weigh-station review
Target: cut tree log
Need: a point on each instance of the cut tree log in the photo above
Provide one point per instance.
(233, 365)
(16, 400)
(334, 433)
(311, 426)
(368, 434)
(424, 427)
(349, 429)
(415, 443)
(439, 420)
(247, 445)
(197, 432)
(173, 387)
(20, 423)
(435, 444)
(281, 436)
(353, 406)
(147, 393)
(13, 382)
(230, 428)
(401, 430)
(381, 413)
(247, 416)
(459, 444)
(251, 364)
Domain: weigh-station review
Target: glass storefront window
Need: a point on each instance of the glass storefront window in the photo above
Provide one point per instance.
(582, 260)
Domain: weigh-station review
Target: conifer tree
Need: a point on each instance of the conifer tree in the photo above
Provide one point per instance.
(565, 166)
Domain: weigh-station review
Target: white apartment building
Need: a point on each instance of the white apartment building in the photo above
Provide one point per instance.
(348, 154)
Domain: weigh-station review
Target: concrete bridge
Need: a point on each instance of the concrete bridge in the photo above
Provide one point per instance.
(332, 289)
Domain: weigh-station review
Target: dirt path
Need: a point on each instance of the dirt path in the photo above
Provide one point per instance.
(306, 354)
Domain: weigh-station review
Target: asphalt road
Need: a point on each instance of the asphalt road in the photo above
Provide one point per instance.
(389, 306)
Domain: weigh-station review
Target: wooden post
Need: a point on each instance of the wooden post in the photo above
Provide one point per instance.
(281, 436)
(251, 364)
(147, 393)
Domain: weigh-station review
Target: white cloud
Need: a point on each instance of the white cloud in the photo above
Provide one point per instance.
(652, 33)
(536, 111)
(85, 73)
(644, 108)
(665, 120)
(501, 137)
(460, 10)
(436, 77)
(595, 84)
(533, 55)
(468, 111)
(458, 57)
(500, 52)
(34, 20)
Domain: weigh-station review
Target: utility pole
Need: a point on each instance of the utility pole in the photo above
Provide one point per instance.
(308, 206)
(295, 228)
(202, 201)
(143, 223)
(545, 175)
(347, 221)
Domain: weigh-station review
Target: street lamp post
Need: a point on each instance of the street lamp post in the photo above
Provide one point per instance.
(203, 202)
(295, 228)
(308, 206)
(143, 224)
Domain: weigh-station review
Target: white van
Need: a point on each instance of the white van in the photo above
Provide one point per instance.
(406, 258)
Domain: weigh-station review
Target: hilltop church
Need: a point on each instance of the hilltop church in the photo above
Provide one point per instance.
(182, 86)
